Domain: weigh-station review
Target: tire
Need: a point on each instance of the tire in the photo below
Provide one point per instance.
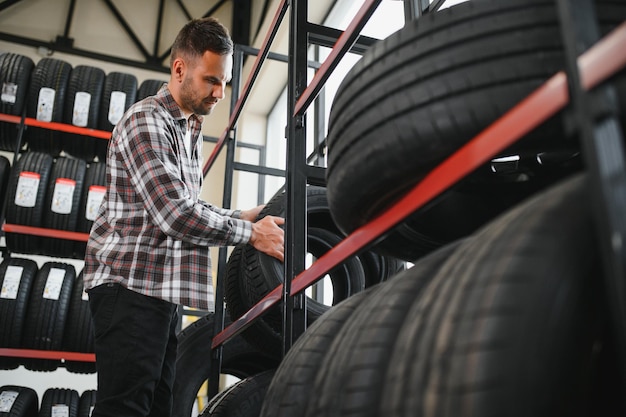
(82, 108)
(193, 362)
(260, 275)
(292, 391)
(510, 324)
(120, 91)
(86, 403)
(15, 72)
(58, 401)
(19, 401)
(379, 268)
(417, 96)
(65, 190)
(242, 399)
(30, 191)
(262, 333)
(48, 308)
(289, 393)
(5, 173)
(48, 74)
(95, 180)
(16, 281)
(348, 381)
(79, 332)
(149, 88)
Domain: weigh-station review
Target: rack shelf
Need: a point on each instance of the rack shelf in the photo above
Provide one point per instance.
(48, 354)
(40, 231)
(63, 127)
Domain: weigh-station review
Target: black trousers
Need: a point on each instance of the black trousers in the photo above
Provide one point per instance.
(135, 344)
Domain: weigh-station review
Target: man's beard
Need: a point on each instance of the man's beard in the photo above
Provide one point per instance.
(188, 98)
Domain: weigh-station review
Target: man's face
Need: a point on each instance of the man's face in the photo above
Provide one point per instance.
(204, 82)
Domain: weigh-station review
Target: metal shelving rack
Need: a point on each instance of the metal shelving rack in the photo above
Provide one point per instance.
(602, 143)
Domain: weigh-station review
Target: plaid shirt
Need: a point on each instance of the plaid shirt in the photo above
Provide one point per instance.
(152, 233)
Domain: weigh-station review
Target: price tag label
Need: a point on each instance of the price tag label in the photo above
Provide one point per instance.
(54, 283)
(9, 93)
(7, 398)
(63, 196)
(94, 199)
(60, 410)
(45, 104)
(11, 283)
(80, 115)
(116, 106)
(26, 191)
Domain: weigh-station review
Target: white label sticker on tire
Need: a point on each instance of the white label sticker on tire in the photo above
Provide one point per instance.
(11, 283)
(7, 398)
(116, 106)
(26, 191)
(60, 410)
(80, 115)
(94, 199)
(9, 93)
(54, 283)
(45, 104)
(63, 196)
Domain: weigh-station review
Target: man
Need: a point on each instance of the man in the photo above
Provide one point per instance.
(148, 249)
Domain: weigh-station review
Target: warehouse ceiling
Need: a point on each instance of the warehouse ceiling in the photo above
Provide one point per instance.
(136, 33)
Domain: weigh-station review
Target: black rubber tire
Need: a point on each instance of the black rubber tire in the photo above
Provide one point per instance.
(55, 398)
(242, 399)
(251, 274)
(15, 72)
(193, 362)
(90, 80)
(379, 268)
(149, 88)
(47, 313)
(25, 404)
(86, 403)
(111, 110)
(508, 326)
(259, 275)
(54, 74)
(62, 204)
(348, 381)
(289, 393)
(260, 334)
(13, 306)
(417, 96)
(29, 162)
(79, 333)
(5, 173)
(293, 388)
(88, 208)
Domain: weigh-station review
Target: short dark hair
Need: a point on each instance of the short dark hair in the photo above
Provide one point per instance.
(201, 35)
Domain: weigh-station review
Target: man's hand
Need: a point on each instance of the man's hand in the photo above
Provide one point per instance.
(268, 237)
(252, 214)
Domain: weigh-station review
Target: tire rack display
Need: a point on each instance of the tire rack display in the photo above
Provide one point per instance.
(52, 233)
(595, 65)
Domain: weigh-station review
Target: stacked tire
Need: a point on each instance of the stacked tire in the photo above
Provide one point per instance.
(15, 73)
(44, 309)
(60, 193)
(419, 95)
(503, 311)
(54, 91)
(250, 274)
